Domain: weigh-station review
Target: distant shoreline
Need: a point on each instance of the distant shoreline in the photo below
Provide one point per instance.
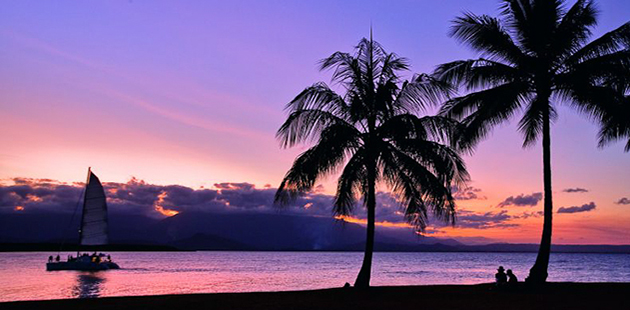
(430, 248)
(480, 296)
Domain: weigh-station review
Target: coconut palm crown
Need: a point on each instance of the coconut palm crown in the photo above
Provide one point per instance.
(372, 136)
(535, 55)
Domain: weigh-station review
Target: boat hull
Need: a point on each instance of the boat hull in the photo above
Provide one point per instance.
(81, 266)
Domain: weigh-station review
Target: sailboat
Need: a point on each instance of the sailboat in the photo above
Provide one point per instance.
(93, 232)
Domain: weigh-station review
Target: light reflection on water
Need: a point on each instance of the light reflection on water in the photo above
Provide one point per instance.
(23, 275)
(88, 285)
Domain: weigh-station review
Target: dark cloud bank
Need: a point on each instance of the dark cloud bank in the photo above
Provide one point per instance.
(136, 197)
(229, 216)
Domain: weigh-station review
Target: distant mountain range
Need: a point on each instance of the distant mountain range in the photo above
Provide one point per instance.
(245, 231)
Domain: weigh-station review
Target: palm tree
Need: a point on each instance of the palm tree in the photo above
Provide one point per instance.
(372, 132)
(533, 56)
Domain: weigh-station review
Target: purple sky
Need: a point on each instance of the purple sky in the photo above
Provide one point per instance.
(192, 93)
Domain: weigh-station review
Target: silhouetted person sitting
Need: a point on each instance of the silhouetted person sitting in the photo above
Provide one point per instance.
(511, 277)
(109, 258)
(500, 276)
(50, 259)
(57, 258)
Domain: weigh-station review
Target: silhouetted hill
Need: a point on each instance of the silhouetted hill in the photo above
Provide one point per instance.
(211, 243)
(247, 231)
(55, 246)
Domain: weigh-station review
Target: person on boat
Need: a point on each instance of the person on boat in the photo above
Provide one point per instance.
(58, 258)
(500, 276)
(109, 258)
(50, 259)
(511, 277)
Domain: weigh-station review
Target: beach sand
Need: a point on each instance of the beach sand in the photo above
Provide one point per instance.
(553, 296)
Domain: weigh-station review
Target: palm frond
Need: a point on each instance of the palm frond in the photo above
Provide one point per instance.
(574, 29)
(404, 186)
(477, 73)
(443, 161)
(392, 64)
(486, 35)
(412, 177)
(444, 130)
(531, 124)
(350, 184)
(479, 112)
(320, 97)
(336, 143)
(615, 124)
(347, 70)
(610, 42)
(421, 92)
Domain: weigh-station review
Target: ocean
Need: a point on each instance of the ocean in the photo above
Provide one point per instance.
(23, 276)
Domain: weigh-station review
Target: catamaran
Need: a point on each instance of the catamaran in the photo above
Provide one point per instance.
(93, 232)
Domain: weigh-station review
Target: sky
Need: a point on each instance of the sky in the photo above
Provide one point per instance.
(192, 93)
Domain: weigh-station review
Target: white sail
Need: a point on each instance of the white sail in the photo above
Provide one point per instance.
(94, 220)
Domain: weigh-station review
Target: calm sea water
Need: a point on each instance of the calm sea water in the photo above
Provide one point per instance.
(23, 275)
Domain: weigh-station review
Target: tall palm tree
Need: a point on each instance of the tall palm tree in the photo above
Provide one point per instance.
(372, 132)
(533, 56)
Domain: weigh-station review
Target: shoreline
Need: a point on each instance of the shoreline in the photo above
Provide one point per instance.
(555, 295)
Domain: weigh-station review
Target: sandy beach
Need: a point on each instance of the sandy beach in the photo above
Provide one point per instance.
(482, 296)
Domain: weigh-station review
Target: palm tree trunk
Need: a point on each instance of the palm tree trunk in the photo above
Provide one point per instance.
(363, 279)
(538, 273)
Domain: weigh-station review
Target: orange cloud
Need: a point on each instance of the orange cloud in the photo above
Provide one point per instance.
(350, 219)
(33, 198)
(159, 208)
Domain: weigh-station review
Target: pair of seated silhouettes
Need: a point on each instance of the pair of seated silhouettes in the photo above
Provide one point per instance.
(502, 278)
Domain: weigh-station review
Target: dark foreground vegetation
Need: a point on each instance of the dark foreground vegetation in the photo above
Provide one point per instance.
(550, 296)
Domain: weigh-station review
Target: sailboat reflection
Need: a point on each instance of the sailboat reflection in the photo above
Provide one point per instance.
(88, 285)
